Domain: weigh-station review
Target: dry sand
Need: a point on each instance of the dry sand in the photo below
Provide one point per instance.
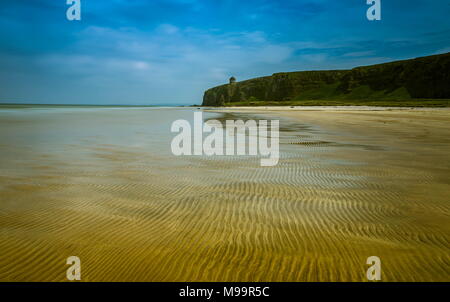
(350, 184)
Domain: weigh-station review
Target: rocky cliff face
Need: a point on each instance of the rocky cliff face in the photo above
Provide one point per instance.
(426, 77)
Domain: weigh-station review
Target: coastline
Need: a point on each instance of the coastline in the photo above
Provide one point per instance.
(317, 108)
(397, 124)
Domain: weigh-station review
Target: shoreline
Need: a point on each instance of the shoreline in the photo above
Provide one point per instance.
(324, 108)
(368, 121)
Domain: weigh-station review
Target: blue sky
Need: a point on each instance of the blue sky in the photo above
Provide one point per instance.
(170, 51)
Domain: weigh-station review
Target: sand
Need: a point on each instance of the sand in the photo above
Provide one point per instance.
(101, 184)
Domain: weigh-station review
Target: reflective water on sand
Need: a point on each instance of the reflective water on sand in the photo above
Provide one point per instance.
(102, 184)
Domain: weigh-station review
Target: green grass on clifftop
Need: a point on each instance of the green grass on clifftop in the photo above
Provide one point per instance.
(420, 82)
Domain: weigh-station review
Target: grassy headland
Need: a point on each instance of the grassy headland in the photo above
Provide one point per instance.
(421, 82)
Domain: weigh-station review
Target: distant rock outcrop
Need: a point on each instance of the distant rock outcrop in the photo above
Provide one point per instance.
(426, 77)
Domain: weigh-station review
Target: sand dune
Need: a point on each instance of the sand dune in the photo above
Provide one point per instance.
(348, 185)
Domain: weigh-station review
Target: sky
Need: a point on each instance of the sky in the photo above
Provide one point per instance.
(168, 52)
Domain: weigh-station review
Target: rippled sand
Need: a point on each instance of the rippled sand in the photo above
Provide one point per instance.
(101, 184)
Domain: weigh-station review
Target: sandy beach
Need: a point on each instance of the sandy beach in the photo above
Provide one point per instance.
(102, 184)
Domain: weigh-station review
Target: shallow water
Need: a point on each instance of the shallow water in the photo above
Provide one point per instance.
(103, 185)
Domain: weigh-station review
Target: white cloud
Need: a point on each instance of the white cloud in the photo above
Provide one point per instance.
(359, 54)
(179, 52)
(443, 50)
(314, 58)
(273, 54)
(168, 29)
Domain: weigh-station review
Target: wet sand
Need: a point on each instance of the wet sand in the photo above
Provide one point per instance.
(102, 184)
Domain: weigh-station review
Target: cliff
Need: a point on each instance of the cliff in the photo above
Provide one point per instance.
(420, 78)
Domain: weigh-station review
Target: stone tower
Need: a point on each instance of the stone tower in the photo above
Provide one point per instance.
(232, 80)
